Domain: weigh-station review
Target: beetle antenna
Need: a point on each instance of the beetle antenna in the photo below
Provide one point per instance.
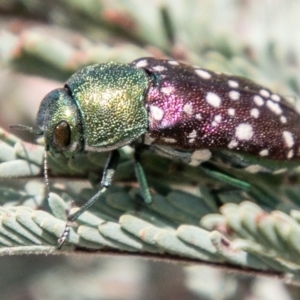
(27, 128)
(46, 173)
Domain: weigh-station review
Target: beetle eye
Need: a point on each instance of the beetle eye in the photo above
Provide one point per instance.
(61, 136)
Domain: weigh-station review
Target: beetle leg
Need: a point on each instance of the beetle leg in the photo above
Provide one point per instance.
(141, 177)
(108, 173)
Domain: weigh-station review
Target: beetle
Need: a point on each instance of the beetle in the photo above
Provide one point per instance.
(180, 111)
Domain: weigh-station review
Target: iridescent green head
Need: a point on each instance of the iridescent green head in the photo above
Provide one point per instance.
(100, 108)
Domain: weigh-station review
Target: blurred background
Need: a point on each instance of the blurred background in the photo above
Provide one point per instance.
(43, 42)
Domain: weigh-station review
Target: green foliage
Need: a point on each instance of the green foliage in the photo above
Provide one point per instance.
(184, 222)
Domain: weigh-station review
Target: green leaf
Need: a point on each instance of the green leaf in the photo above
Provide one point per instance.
(194, 217)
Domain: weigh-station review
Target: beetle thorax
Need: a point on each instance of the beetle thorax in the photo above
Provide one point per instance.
(110, 98)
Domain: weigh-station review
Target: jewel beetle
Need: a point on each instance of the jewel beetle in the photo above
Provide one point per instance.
(180, 111)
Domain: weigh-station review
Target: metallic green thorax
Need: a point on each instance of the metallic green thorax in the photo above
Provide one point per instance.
(110, 98)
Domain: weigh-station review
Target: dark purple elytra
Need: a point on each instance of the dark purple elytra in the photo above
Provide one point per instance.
(192, 108)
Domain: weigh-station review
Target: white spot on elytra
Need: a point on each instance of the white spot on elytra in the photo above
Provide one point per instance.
(258, 100)
(254, 112)
(264, 152)
(188, 108)
(234, 95)
(264, 93)
(231, 111)
(159, 68)
(213, 99)
(200, 156)
(192, 134)
(173, 62)
(275, 97)
(167, 90)
(232, 144)
(142, 63)
(198, 116)
(290, 154)
(283, 119)
(217, 120)
(233, 83)
(274, 107)
(288, 138)
(244, 132)
(203, 74)
(169, 140)
(156, 112)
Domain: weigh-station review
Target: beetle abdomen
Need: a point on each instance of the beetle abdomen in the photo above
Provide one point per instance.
(191, 108)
